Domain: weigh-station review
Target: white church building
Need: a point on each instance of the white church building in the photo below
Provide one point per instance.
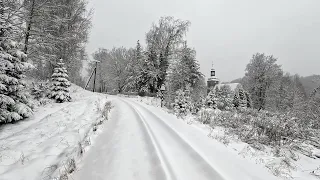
(213, 81)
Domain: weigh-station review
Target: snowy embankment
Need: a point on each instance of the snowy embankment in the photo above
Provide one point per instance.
(49, 144)
(281, 162)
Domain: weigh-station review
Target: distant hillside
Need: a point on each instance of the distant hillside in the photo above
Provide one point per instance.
(236, 80)
(309, 82)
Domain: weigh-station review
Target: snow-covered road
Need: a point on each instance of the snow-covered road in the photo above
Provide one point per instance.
(144, 142)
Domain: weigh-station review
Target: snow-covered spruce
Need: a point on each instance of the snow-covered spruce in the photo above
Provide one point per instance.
(211, 99)
(14, 104)
(183, 105)
(60, 84)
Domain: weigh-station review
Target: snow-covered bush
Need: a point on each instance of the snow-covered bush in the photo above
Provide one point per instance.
(278, 129)
(225, 119)
(205, 115)
(182, 103)
(266, 128)
(254, 126)
(198, 105)
(14, 104)
(60, 84)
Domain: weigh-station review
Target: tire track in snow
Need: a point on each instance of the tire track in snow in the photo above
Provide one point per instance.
(199, 162)
(168, 173)
(125, 150)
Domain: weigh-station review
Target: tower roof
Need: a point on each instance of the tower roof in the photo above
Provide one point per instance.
(212, 68)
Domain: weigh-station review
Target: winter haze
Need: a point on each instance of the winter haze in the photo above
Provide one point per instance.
(227, 33)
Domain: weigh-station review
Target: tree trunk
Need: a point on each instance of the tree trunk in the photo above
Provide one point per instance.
(26, 41)
(1, 17)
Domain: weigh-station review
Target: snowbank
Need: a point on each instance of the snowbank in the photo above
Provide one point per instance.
(50, 142)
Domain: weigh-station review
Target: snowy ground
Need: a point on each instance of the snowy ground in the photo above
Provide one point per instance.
(140, 141)
(50, 143)
(145, 142)
(301, 167)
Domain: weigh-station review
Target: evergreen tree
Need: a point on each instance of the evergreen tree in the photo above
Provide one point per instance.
(136, 66)
(249, 101)
(240, 98)
(285, 97)
(183, 104)
(188, 59)
(134, 69)
(236, 99)
(184, 70)
(224, 97)
(211, 99)
(151, 71)
(60, 84)
(299, 94)
(14, 103)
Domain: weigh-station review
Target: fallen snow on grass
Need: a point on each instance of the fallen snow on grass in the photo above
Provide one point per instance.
(282, 162)
(48, 144)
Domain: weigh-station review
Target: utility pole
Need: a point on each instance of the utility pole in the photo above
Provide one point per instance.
(94, 72)
(95, 76)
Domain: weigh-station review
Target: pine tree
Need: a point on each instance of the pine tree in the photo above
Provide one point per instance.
(211, 99)
(236, 99)
(249, 101)
(183, 104)
(135, 69)
(149, 73)
(240, 98)
(224, 97)
(60, 84)
(188, 59)
(14, 104)
(299, 94)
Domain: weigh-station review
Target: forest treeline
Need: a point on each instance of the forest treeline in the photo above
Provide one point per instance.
(49, 30)
(167, 59)
(269, 106)
(40, 39)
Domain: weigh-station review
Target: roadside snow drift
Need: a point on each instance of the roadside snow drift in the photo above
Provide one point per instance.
(47, 144)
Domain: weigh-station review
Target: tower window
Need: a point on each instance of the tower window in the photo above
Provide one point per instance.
(213, 73)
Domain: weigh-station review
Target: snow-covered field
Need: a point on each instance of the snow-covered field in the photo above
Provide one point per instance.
(285, 164)
(49, 144)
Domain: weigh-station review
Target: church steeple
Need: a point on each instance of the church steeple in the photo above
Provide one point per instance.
(212, 80)
(213, 71)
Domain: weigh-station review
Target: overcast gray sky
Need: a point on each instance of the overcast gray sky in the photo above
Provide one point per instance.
(225, 32)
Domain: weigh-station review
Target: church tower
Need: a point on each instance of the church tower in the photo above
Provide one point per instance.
(212, 80)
